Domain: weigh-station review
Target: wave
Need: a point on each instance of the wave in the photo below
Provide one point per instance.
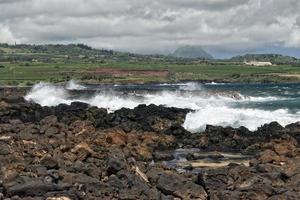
(236, 117)
(191, 86)
(47, 94)
(73, 85)
(172, 84)
(214, 83)
(209, 108)
(113, 100)
(263, 99)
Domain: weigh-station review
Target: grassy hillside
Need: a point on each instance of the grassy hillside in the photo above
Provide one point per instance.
(28, 64)
(191, 52)
(274, 58)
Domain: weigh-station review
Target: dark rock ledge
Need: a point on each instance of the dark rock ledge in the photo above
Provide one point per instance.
(81, 152)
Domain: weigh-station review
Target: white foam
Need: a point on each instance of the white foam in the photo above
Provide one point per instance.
(213, 109)
(214, 83)
(191, 86)
(262, 99)
(47, 94)
(112, 102)
(236, 117)
(172, 84)
(73, 85)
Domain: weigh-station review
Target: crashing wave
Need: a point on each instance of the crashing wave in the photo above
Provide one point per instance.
(214, 109)
(73, 85)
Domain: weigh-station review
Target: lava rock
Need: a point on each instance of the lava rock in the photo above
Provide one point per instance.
(4, 149)
(116, 162)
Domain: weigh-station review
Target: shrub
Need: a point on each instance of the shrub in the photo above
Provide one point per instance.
(236, 75)
(29, 83)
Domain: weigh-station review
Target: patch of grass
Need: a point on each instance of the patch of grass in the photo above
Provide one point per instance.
(58, 63)
(57, 72)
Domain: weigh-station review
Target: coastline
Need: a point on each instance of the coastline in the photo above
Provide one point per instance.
(218, 81)
(77, 151)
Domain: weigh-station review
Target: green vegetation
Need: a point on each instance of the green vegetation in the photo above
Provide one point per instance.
(191, 52)
(28, 64)
(273, 58)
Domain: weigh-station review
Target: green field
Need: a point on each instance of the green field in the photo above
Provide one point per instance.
(26, 66)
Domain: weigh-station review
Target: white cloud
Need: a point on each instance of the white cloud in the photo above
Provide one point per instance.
(153, 26)
(6, 35)
(294, 39)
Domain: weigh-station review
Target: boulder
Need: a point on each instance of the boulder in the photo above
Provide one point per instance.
(48, 161)
(170, 183)
(116, 162)
(5, 149)
(32, 188)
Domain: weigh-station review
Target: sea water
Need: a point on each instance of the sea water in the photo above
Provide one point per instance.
(224, 104)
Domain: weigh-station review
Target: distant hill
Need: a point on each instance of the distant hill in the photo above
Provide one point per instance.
(273, 58)
(52, 53)
(193, 52)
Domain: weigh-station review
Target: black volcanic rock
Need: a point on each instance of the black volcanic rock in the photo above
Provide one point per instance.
(81, 152)
(116, 162)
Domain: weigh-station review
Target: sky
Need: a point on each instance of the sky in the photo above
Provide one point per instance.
(223, 27)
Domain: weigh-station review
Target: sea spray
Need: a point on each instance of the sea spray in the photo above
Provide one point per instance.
(236, 117)
(73, 85)
(214, 108)
(47, 94)
(191, 86)
(113, 102)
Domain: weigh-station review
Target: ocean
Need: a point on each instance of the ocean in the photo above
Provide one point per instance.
(223, 104)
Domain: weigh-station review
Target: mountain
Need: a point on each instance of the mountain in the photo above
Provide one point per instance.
(273, 58)
(51, 53)
(191, 52)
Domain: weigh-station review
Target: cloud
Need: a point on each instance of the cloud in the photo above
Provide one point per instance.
(6, 35)
(294, 39)
(156, 26)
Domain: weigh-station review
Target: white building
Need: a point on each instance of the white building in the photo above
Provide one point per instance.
(258, 63)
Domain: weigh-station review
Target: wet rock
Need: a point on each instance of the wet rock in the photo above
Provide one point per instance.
(271, 130)
(294, 130)
(178, 131)
(147, 118)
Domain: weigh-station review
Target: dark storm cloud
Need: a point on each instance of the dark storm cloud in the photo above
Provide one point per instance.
(153, 26)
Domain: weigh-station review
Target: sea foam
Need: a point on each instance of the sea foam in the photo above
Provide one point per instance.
(213, 109)
(73, 85)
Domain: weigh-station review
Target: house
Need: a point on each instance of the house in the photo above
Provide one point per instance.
(258, 63)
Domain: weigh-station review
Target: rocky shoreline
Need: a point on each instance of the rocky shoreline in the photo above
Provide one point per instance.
(81, 152)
